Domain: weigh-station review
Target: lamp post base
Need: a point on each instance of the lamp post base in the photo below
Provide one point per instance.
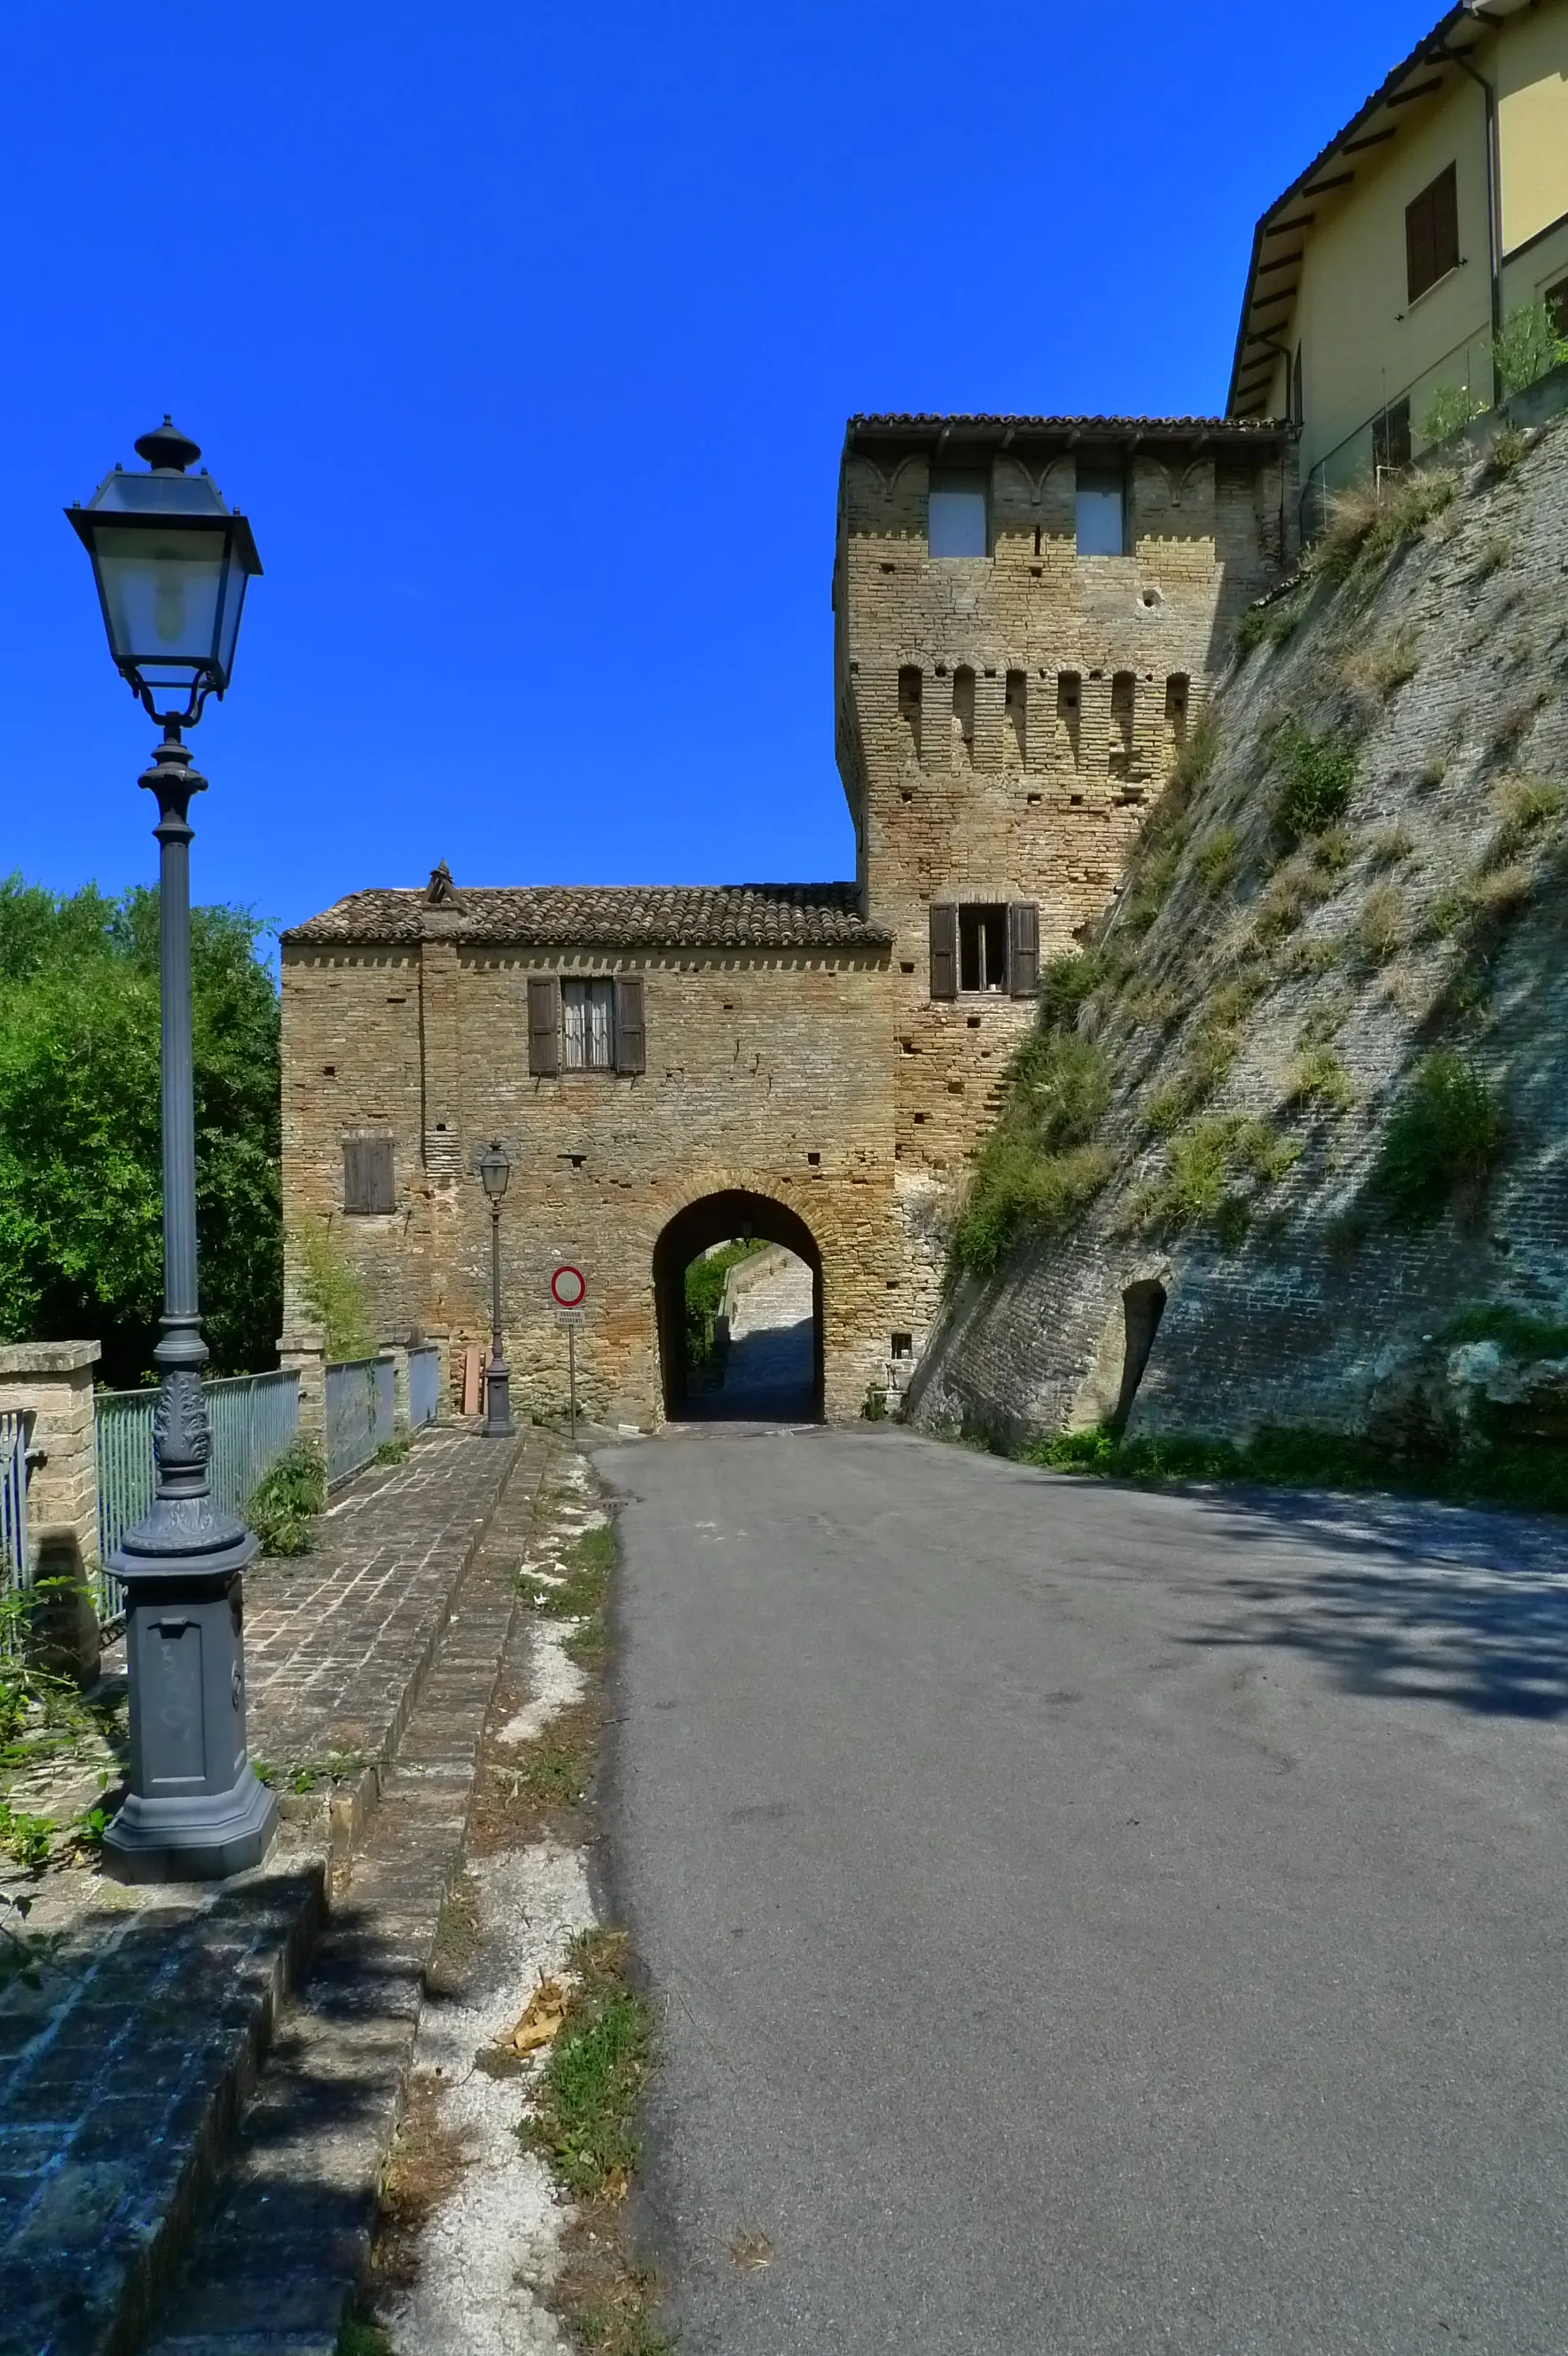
(498, 1424)
(204, 1838)
(195, 1811)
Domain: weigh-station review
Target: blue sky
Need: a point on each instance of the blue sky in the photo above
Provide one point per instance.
(525, 337)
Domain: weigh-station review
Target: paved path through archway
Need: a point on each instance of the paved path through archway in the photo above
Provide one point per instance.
(1088, 1922)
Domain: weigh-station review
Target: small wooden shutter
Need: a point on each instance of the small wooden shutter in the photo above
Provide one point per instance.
(1023, 948)
(944, 949)
(631, 1046)
(1444, 196)
(1432, 233)
(544, 1024)
(368, 1177)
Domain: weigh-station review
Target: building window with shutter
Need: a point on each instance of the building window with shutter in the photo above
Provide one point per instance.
(368, 1177)
(1432, 233)
(588, 1026)
(978, 946)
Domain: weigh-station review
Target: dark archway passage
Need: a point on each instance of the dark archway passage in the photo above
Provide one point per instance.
(716, 1219)
(1143, 1306)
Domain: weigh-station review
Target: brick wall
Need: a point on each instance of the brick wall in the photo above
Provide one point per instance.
(1085, 676)
(766, 1073)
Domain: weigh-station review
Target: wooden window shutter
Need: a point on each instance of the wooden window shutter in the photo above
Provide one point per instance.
(544, 1024)
(631, 1043)
(944, 949)
(1023, 948)
(1432, 233)
(1445, 194)
(368, 1192)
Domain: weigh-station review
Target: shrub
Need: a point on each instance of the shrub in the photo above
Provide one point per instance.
(1379, 928)
(1215, 857)
(1393, 845)
(1060, 1085)
(1451, 408)
(1509, 446)
(1320, 1079)
(1266, 626)
(1515, 1329)
(334, 1295)
(1408, 512)
(1442, 1138)
(1210, 1056)
(1387, 664)
(1193, 763)
(1527, 807)
(1064, 984)
(280, 1507)
(1526, 345)
(1016, 1187)
(1320, 773)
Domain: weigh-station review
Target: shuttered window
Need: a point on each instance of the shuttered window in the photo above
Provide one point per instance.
(588, 1026)
(1432, 233)
(944, 949)
(1023, 948)
(630, 1047)
(544, 1024)
(368, 1177)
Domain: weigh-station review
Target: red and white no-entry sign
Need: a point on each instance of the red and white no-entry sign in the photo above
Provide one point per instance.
(569, 1287)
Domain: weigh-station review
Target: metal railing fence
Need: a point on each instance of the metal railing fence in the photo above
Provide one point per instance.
(1468, 369)
(252, 1418)
(424, 1387)
(16, 1566)
(359, 1413)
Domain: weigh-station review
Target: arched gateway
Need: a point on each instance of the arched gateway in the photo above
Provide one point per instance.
(716, 1219)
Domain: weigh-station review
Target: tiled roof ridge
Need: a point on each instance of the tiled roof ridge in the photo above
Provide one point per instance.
(602, 914)
(1121, 425)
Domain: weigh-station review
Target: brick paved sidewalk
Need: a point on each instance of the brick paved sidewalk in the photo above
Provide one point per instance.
(120, 2078)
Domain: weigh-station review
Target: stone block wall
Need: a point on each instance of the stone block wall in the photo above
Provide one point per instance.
(53, 1380)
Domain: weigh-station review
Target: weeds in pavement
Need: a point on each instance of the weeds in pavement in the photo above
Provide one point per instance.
(584, 2119)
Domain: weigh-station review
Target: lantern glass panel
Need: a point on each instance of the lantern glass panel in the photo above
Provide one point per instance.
(162, 592)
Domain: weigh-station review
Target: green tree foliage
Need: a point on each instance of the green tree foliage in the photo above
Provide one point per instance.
(80, 1183)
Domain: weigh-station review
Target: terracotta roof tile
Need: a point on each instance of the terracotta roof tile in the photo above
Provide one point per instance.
(605, 916)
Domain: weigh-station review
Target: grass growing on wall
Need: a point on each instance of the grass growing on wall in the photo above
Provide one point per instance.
(1442, 1138)
(1040, 1165)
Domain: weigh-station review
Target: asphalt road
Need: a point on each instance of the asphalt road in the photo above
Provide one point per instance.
(1091, 1921)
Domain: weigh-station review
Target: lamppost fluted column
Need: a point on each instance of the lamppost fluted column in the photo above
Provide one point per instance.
(494, 1170)
(171, 562)
(180, 1353)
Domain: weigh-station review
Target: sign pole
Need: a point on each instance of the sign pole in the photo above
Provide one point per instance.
(571, 1375)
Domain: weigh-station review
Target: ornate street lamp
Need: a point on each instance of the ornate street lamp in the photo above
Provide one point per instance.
(493, 1172)
(171, 562)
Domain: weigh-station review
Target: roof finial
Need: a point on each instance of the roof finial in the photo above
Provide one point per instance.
(441, 891)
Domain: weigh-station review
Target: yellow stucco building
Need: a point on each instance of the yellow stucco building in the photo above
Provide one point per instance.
(1379, 278)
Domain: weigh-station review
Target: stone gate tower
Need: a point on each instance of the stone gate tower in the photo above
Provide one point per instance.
(1029, 612)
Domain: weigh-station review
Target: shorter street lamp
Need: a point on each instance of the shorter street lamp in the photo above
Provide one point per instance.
(171, 562)
(493, 1172)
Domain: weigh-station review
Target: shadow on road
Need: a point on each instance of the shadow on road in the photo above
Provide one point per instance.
(1418, 1601)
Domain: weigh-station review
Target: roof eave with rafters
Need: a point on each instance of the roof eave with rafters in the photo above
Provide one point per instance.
(1489, 17)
